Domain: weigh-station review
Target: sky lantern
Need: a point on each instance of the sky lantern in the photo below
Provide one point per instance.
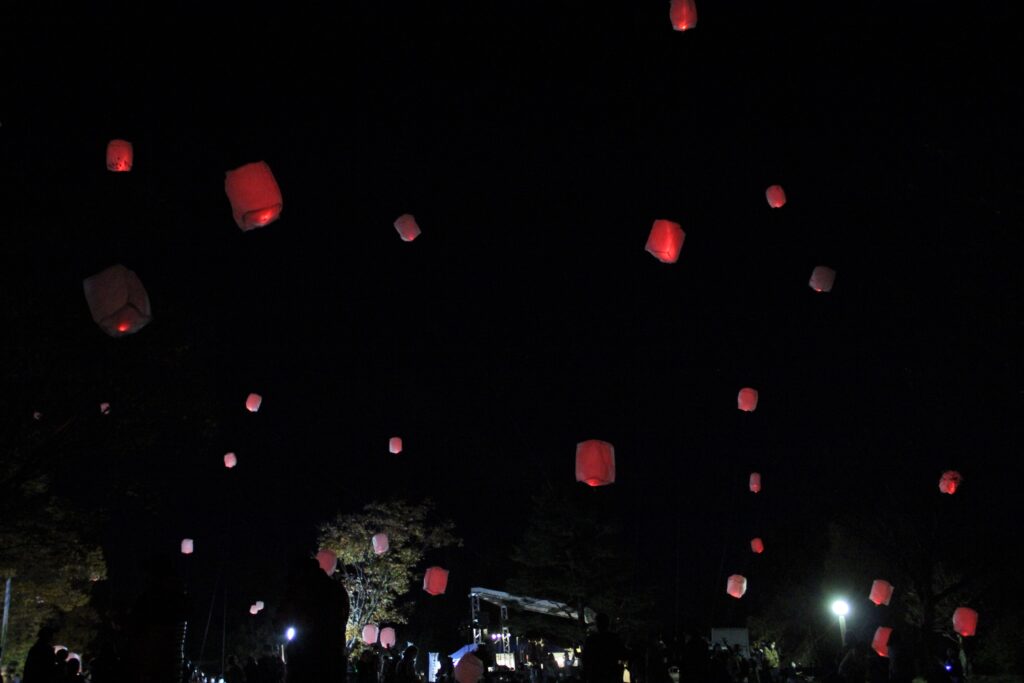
(407, 227)
(949, 482)
(665, 241)
(37, 416)
(253, 402)
(253, 610)
(683, 14)
(965, 621)
(395, 444)
(230, 460)
(119, 156)
(387, 637)
(776, 196)
(822, 278)
(104, 408)
(254, 195)
(881, 592)
(469, 669)
(259, 605)
(328, 561)
(117, 301)
(880, 643)
(187, 546)
(755, 482)
(380, 543)
(746, 400)
(435, 580)
(736, 586)
(595, 463)
(370, 633)
(757, 545)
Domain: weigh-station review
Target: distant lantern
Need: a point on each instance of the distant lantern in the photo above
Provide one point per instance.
(950, 481)
(187, 546)
(776, 196)
(260, 605)
(254, 195)
(757, 545)
(880, 643)
(665, 241)
(253, 402)
(370, 633)
(387, 637)
(683, 14)
(595, 463)
(395, 444)
(965, 621)
(105, 408)
(755, 482)
(380, 543)
(435, 580)
(469, 669)
(746, 400)
(230, 460)
(407, 227)
(881, 592)
(117, 301)
(736, 586)
(37, 416)
(119, 156)
(328, 561)
(822, 279)
(254, 610)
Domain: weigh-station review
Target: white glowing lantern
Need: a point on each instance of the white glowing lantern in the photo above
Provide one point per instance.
(387, 637)
(254, 610)
(259, 604)
(187, 546)
(370, 633)
(407, 227)
(230, 460)
(253, 402)
(380, 543)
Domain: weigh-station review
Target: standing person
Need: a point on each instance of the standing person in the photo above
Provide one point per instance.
(317, 607)
(39, 662)
(602, 653)
(406, 672)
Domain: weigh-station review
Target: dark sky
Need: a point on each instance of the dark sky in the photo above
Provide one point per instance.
(535, 142)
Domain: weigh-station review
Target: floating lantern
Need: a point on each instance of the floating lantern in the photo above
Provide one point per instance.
(746, 400)
(395, 444)
(254, 195)
(37, 416)
(387, 637)
(950, 481)
(881, 592)
(119, 156)
(230, 460)
(595, 463)
(665, 241)
(736, 586)
(822, 279)
(435, 580)
(755, 482)
(469, 669)
(259, 604)
(407, 227)
(880, 643)
(187, 546)
(253, 402)
(105, 408)
(254, 610)
(965, 621)
(776, 196)
(683, 14)
(757, 545)
(117, 301)
(328, 561)
(370, 633)
(380, 543)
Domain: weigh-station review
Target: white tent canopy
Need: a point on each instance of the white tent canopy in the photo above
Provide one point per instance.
(547, 607)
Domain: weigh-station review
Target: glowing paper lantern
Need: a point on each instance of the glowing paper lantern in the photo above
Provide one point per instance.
(328, 561)
(105, 408)
(254, 610)
(665, 241)
(37, 416)
(881, 592)
(253, 402)
(370, 633)
(595, 462)
(187, 546)
(776, 196)
(822, 278)
(469, 669)
(683, 14)
(259, 604)
(387, 637)
(380, 543)
(880, 643)
(395, 444)
(117, 301)
(230, 460)
(746, 400)
(757, 545)
(736, 586)
(407, 227)
(755, 482)
(965, 621)
(950, 481)
(435, 580)
(254, 195)
(119, 155)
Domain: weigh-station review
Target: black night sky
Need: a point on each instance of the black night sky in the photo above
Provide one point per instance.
(535, 142)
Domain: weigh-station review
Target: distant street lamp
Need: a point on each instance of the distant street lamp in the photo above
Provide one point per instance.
(841, 608)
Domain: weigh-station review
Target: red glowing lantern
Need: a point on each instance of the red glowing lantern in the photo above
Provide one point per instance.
(117, 300)
(254, 195)
(746, 400)
(683, 14)
(755, 482)
(880, 643)
(328, 561)
(776, 196)
(469, 669)
(665, 241)
(395, 444)
(380, 543)
(736, 586)
(230, 460)
(370, 633)
(387, 637)
(595, 463)
(435, 580)
(950, 481)
(253, 402)
(822, 279)
(757, 545)
(119, 156)
(965, 621)
(881, 592)
(187, 546)
(407, 227)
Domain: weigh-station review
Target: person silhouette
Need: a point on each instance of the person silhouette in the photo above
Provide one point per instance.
(317, 607)
(39, 663)
(602, 653)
